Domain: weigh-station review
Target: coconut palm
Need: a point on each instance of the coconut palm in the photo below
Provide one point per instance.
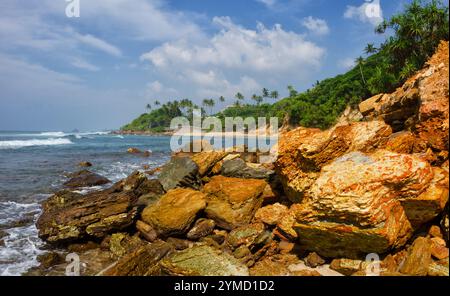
(239, 96)
(370, 48)
(360, 62)
(222, 99)
(274, 95)
(148, 107)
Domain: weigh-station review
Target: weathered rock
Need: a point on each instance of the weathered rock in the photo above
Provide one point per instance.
(146, 231)
(85, 178)
(136, 151)
(418, 259)
(233, 202)
(206, 160)
(175, 211)
(85, 164)
(217, 168)
(246, 235)
(50, 259)
(274, 266)
(237, 168)
(438, 249)
(141, 262)
(346, 266)
(401, 142)
(149, 192)
(179, 172)
(439, 268)
(68, 216)
(313, 260)
(202, 261)
(121, 244)
(435, 231)
(272, 214)
(179, 244)
(303, 152)
(445, 223)
(202, 228)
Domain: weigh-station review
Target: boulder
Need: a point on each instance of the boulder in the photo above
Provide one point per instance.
(313, 260)
(85, 164)
(233, 202)
(202, 261)
(419, 258)
(346, 266)
(179, 172)
(206, 161)
(69, 216)
(175, 211)
(146, 231)
(356, 205)
(202, 228)
(272, 214)
(303, 152)
(439, 268)
(247, 235)
(141, 262)
(122, 243)
(438, 248)
(149, 192)
(237, 168)
(85, 178)
(277, 265)
(401, 142)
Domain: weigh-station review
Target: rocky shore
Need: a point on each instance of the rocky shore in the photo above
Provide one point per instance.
(377, 186)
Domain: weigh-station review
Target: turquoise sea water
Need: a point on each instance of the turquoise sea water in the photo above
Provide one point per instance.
(32, 166)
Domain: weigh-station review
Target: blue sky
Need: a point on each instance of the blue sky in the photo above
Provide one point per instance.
(99, 71)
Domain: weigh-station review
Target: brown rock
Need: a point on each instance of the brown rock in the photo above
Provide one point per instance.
(346, 266)
(245, 235)
(439, 268)
(206, 160)
(418, 259)
(133, 150)
(175, 211)
(313, 260)
(273, 266)
(272, 214)
(85, 178)
(202, 228)
(85, 164)
(438, 249)
(146, 231)
(233, 202)
(435, 231)
(401, 142)
(50, 259)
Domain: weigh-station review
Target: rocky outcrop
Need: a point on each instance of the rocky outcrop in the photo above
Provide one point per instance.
(237, 168)
(202, 261)
(85, 178)
(303, 152)
(175, 211)
(233, 202)
(206, 160)
(357, 205)
(180, 172)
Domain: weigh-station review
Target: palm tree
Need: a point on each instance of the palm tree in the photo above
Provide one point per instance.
(239, 96)
(360, 62)
(274, 95)
(257, 99)
(265, 93)
(157, 103)
(292, 91)
(237, 104)
(370, 48)
(148, 107)
(222, 99)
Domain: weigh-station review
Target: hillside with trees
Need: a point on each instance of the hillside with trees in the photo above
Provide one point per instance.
(411, 38)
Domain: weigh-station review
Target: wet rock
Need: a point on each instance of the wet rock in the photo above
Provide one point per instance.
(202, 261)
(68, 217)
(141, 262)
(136, 151)
(85, 179)
(50, 259)
(85, 164)
(346, 266)
(179, 172)
(233, 202)
(237, 168)
(147, 231)
(247, 235)
(271, 214)
(175, 211)
(206, 160)
(313, 260)
(202, 228)
(418, 259)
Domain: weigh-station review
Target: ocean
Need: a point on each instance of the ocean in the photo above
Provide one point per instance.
(32, 166)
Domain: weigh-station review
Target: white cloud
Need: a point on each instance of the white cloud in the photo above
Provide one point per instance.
(99, 44)
(82, 64)
(368, 12)
(155, 86)
(268, 3)
(234, 56)
(316, 26)
(347, 63)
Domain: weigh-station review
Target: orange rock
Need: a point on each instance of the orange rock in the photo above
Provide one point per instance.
(438, 250)
(271, 214)
(418, 259)
(401, 142)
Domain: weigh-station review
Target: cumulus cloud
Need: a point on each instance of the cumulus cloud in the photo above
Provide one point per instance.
(236, 55)
(316, 26)
(368, 12)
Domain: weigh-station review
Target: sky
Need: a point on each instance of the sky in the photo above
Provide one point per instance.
(99, 70)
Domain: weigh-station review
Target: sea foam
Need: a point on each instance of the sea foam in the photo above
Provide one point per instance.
(33, 142)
